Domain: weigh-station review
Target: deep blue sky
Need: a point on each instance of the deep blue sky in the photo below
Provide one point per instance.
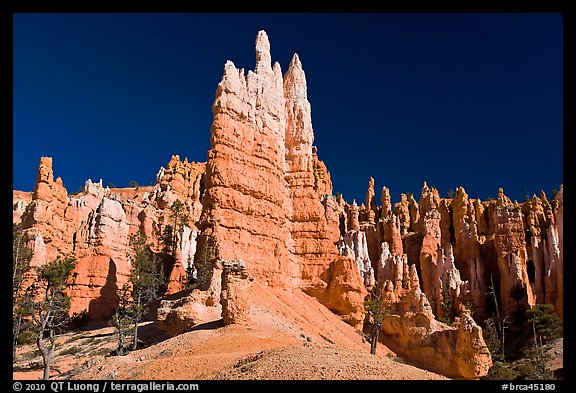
(453, 99)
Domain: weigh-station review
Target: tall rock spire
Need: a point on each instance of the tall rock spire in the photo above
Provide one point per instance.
(261, 203)
(299, 133)
(386, 202)
(307, 180)
(245, 172)
(371, 207)
(263, 58)
(295, 88)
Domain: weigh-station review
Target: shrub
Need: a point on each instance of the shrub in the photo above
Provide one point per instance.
(26, 337)
(71, 351)
(72, 339)
(100, 352)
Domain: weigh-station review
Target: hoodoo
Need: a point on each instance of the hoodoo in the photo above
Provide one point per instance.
(260, 212)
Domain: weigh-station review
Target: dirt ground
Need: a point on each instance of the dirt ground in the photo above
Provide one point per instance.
(290, 336)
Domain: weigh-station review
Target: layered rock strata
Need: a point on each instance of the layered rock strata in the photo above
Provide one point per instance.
(95, 226)
(466, 247)
(264, 197)
(261, 202)
(457, 350)
(341, 289)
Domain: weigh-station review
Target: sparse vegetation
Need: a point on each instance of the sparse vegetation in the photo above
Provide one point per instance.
(71, 350)
(547, 325)
(133, 184)
(21, 256)
(447, 309)
(470, 307)
(171, 232)
(396, 358)
(121, 319)
(450, 194)
(492, 340)
(362, 334)
(26, 337)
(75, 337)
(376, 311)
(46, 306)
(497, 324)
(80, 189)
(202, 266)
(31, 355)
(100, 352)
(532, 365)
(143, 286)
(89, 341)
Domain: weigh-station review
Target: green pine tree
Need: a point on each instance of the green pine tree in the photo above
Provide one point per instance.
(21, 256)
(46, 305)
(547, 325)
(376, 312)
(145, 281)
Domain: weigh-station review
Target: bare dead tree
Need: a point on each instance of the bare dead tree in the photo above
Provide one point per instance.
(501, 325)
(504, 325)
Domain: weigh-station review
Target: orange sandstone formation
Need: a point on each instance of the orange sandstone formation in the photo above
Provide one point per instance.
(95, 226)
(236, 292)
(265, 198)
(411, 329)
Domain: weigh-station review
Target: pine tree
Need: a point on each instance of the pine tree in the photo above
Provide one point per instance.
(376, 312)
(547, 325)
(447, 313)
(172, 232)
(145, 281)
(202, 267)
(121, 319)
(47, 306)
(21, 256)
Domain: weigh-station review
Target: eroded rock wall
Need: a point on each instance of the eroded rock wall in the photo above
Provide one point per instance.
(95, 226)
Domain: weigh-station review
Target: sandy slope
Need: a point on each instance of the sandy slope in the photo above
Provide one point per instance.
(291, 336)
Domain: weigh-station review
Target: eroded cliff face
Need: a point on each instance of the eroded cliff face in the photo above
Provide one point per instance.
(244, 213)
(461, 250)
(95, 227)
(311, 211)
(466, 246)
(265, 185)
(411, 329)
(265, 198)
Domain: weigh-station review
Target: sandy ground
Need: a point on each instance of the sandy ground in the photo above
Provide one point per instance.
(290, 336)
